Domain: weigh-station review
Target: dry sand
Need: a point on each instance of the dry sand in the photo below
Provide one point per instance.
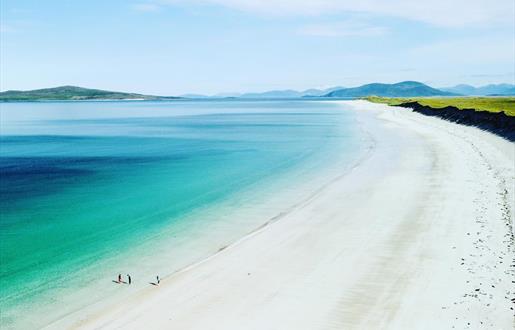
(418, 236)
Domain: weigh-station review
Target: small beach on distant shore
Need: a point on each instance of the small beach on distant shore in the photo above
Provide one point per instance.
(416, 234)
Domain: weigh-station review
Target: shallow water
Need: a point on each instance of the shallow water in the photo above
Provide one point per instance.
(90, 189)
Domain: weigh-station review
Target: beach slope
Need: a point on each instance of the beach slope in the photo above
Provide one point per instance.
(419, 235)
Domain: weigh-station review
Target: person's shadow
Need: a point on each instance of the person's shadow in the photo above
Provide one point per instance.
(117, 282)
(154, 284)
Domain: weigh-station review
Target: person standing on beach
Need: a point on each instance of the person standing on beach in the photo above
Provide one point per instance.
(119, 278)
(129, 279)
(157, 278)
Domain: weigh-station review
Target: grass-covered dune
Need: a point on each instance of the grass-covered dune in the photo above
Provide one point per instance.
(494, 114)
(490, 104)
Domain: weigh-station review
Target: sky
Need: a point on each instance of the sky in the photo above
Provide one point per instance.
(172, 47)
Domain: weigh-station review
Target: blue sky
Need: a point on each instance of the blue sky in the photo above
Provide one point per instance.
(170, 47)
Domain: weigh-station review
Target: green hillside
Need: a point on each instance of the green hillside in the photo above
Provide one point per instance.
(71, 93)
(490, 104)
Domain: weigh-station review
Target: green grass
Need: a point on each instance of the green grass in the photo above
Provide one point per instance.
(490, 104)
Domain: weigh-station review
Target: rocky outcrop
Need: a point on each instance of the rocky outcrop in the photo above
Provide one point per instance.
(496, 122)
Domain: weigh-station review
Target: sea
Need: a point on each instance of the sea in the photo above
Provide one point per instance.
(93, 189)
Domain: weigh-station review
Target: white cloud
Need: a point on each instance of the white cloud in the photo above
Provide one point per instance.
(146, 7)
(436, 12)
(343, 29)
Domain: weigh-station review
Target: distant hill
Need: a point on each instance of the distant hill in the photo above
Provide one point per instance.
(273, 94)
(493, 89)
(320, 92)
(289, 93)
(402, 89)
(72, 93)
(194, 96)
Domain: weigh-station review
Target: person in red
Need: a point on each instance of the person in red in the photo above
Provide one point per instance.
(119, 278)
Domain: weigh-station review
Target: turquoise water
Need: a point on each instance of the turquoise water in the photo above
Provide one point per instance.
(90, 189)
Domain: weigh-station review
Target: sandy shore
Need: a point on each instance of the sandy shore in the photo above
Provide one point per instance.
(418, 236)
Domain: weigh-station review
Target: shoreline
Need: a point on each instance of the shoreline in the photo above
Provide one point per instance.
(196, 234)
(385, 232)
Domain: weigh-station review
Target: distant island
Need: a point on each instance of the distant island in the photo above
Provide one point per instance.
(74, 93)
(401, 89)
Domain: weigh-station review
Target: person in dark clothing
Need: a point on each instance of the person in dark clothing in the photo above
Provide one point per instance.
(157, 278)
(129, 279)
(119, 278)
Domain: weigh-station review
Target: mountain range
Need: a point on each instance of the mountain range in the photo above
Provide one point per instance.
(405, 88)
(494, 89)
(289, 93)
(286, 93)
(401, 89)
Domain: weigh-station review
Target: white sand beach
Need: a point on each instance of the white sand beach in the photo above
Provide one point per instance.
(419, 235)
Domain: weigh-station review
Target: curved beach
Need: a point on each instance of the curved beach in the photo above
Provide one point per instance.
(418, 235)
